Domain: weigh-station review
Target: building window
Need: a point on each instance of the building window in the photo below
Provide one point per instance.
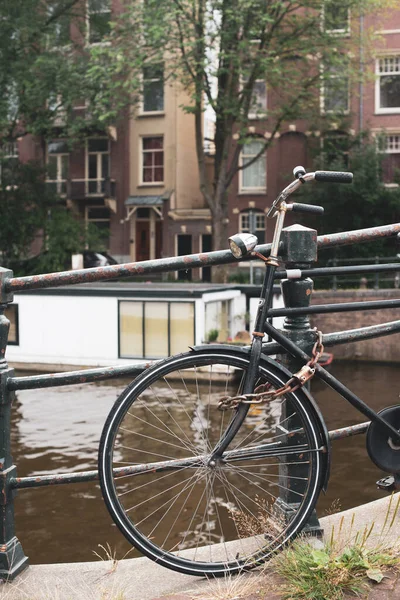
(153, 88)
(387, 96)
(11, 313)
(98, 165)
(98, 215)
(253, 221)
(153, 159)
(390, 145)
(258, 102)
(98, 20)
(335, 92)
(8, 162)
(253, 177)
(336, 17)
(155, 329)
(259, 99)
(58, 166)
(59, 17)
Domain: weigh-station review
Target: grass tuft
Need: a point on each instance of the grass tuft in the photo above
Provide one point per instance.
(329, 572)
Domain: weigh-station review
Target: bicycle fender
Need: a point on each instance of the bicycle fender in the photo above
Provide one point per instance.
(286, 374)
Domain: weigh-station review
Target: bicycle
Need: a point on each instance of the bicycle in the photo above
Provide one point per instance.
(206, 494)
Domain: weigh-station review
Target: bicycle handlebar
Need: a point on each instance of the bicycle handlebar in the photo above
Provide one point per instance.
(306, 208)
(333, 176)
(303, 177)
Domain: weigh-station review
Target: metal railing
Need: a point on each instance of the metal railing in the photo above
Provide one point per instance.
(374, 274)
(295, 250)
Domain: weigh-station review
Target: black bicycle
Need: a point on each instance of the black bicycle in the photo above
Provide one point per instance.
(213, 459)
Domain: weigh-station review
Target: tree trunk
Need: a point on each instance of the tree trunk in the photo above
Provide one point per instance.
(220, 236)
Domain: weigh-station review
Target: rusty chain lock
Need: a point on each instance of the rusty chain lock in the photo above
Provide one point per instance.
(263, 393)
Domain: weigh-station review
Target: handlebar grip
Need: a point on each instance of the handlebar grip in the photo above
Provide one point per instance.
(333, 176)
(307, 208)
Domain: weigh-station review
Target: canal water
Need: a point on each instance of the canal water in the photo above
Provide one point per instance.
(58, 429)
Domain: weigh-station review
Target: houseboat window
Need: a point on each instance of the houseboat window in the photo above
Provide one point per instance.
(11, 313)
(155, 329)
(181, 326)
(131, 329)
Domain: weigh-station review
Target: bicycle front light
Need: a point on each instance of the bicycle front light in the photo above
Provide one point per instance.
(242, 244)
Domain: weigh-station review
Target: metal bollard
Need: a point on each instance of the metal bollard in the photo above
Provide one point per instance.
(12, 557)
(300, 252)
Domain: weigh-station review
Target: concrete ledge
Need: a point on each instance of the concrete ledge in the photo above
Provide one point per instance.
(142, 579)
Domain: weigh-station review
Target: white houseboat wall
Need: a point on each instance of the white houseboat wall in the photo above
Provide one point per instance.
(118, 323)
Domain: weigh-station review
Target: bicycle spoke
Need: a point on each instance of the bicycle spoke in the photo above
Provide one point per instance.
(179, 508)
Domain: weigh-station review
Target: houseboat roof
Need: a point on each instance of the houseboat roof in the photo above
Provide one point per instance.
(148, 288)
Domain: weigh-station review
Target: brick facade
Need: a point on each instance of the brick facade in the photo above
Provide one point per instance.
(182, 210)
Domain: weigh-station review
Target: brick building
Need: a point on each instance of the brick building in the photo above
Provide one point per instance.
(373, 105)
(140, 182)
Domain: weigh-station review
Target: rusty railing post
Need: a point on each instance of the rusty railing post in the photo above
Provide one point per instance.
(299, 252)
(12, 557)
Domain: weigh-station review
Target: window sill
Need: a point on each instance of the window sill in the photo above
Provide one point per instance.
(151, 113)
(387, 111)
(258, 116)
(338, 32)
(343, 113)
(151, 184)
(251, 192)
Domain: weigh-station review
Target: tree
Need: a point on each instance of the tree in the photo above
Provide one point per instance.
(29, 210)
(24, 198)
(217, 51)
(44, 70)
(368, 202)
(43, 77)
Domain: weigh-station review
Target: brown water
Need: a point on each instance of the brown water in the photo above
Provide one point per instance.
(57, 430)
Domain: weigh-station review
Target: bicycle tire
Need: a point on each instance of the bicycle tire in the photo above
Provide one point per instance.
(245, 513)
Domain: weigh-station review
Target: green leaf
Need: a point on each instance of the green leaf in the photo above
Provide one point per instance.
(320, 557)
(375, 575)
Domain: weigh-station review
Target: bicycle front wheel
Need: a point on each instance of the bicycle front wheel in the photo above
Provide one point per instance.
(191, 514)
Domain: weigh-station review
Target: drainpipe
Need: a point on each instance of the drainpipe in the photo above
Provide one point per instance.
(361, 101)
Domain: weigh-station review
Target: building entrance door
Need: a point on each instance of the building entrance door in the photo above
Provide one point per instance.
(142, 239)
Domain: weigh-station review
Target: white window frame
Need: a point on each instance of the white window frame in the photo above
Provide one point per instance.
(386, 149)
(378, 109)
(262, 113)
(143, 353)
(57, 27)
(142, 107)
(260, 221)
(391, 146)
(59, 181)
(88, 13)
(322, 95)
(99, 180)
(252, 190)
(337, 32)
(141, 165)
(93, 220)
(9, 150)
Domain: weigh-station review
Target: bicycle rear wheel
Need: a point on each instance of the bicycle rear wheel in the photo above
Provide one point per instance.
(177, 508)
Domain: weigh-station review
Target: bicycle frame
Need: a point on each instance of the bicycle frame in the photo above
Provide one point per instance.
(262, 326)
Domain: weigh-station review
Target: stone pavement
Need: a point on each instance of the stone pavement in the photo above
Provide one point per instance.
(142, 579)
(268, 589)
